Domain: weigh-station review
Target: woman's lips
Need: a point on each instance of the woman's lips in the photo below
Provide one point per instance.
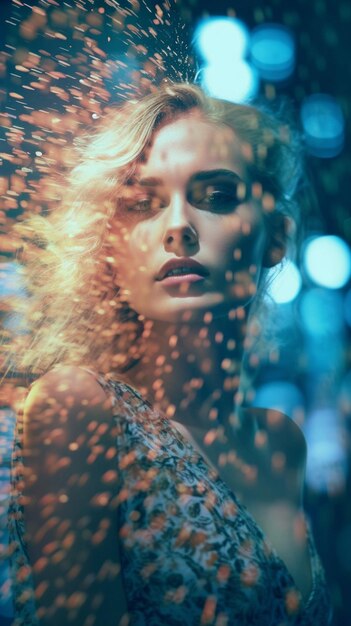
(170, 281)
(184, 266)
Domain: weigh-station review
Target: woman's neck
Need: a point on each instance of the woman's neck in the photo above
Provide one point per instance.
(191, 371)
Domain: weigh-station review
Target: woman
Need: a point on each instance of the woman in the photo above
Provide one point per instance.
(152, 495)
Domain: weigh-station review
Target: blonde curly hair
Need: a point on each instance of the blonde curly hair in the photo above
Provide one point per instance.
(73, 310)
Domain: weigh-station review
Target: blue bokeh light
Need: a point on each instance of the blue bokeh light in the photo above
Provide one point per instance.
(286, 285)
(11, 282)
(347, 305)
(273, 52)
(282, 396)
(321, 312)
(327, 461)
(327, 261)
(219, 37)
(222, 43)
(324, 126)
(236, 82)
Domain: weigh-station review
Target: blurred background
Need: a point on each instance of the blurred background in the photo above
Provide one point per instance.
(64, 63)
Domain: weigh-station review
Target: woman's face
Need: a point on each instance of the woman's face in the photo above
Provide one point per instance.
(191, 236)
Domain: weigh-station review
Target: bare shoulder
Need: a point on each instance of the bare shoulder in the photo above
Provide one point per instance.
(71, 483)
(67, 383)
(64, 401)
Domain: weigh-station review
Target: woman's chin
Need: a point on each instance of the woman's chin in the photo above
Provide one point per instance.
(192, 310)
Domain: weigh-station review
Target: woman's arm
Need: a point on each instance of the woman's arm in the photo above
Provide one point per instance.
(70, 491)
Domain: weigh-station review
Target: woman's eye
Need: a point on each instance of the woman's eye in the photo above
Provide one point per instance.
(217, 199)
(141, 205)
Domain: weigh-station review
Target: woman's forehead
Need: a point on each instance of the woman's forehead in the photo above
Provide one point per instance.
(192, 144)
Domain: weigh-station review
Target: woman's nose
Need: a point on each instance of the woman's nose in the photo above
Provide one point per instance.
(180, 233)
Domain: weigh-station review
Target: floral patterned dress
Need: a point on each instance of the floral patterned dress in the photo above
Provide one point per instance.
(191, 553)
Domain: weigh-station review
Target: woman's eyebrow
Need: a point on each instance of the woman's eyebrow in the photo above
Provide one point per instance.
(154, 181)
(151, 181)
(210, 174)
